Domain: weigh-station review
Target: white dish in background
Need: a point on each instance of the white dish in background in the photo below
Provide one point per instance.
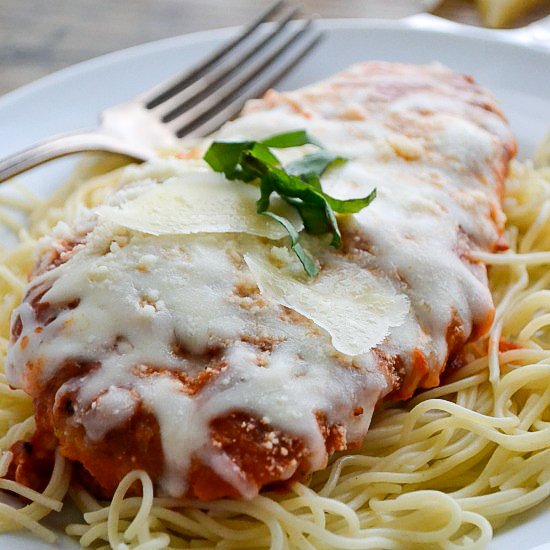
(514, 65)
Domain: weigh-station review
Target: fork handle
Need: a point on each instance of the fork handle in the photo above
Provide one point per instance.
(67, 144)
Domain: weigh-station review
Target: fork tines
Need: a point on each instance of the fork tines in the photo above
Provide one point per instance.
(198, 101)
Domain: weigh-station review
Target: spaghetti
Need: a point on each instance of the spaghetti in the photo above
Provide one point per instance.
(442, 470)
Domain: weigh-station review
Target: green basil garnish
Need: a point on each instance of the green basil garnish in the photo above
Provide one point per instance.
(298, 184)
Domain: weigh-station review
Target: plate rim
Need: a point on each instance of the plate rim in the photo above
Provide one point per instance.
(422, 22)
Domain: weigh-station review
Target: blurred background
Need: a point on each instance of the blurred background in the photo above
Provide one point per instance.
(38, 37)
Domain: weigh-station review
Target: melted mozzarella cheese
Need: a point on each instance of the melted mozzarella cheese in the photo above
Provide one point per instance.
(154, 292)
(161, 270)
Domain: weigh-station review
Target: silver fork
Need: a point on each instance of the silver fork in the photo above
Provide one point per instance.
(193, 103)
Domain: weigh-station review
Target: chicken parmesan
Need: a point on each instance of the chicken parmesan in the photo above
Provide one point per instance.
(171, 330)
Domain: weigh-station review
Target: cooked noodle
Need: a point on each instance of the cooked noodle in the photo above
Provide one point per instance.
(440, 471)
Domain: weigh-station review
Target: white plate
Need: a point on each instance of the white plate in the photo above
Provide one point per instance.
(511, 63)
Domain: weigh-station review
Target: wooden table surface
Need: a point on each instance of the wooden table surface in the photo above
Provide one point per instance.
(38, 37)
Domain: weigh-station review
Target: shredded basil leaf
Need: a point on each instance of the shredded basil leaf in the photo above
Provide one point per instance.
(315, 164)
(298, 184)
(225, 156)
(262, 153)
(307, 261)
(350, 206)
(291, 139)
